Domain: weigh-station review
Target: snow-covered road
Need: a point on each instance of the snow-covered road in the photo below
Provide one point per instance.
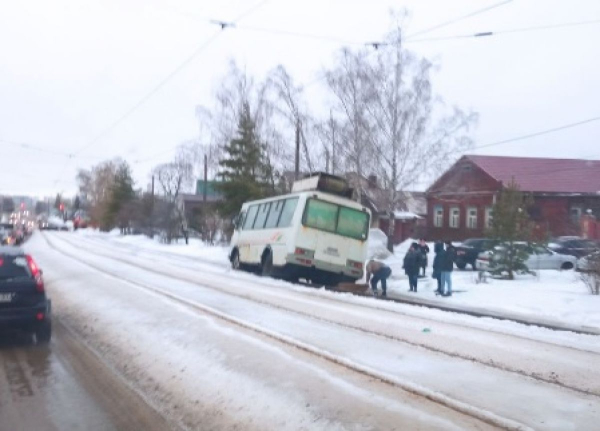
(214, 349)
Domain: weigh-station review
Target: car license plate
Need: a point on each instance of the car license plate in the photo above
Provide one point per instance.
(6, 297)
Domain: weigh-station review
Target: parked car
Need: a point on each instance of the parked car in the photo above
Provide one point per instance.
(574, 246)
(24, 305)
(539, 258)
(7, 236)
(589, 263)
(468, 251)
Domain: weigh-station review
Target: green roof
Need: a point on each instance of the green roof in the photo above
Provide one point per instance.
(210, 188)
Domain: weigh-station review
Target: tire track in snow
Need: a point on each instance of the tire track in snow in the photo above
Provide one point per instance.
(413, 388)
(207, 266)
(552, 378)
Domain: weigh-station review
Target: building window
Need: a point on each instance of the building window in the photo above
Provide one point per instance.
(455, 217)
(488, 218)
(575, 214)
(438, 216)
(472, 218)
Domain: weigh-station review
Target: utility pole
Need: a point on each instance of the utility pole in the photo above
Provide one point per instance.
(297, 165)
(205, 177)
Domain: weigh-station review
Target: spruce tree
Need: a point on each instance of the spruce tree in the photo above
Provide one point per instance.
(511, 227)
(246, 173)
(121, 193)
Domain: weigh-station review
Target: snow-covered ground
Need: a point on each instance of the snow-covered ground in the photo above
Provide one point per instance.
(559, 296)
(220, 349)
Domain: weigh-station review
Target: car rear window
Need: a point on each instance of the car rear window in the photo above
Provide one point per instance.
(13, 266)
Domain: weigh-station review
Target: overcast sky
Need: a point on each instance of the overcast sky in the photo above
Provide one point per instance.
(70, 68)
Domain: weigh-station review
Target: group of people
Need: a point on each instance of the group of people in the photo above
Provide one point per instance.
(443, 264)
(416, 261)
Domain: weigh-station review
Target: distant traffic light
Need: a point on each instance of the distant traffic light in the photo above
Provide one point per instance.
(62, 207)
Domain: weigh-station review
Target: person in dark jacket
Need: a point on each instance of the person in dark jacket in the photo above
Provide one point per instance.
(439, 251)
(412, 264)
(447, 267)
(424, 249)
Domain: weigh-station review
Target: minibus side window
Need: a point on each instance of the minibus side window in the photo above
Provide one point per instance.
(263, 211)
(276, 208)
(288, 212)
(249, 222)
(239, 220)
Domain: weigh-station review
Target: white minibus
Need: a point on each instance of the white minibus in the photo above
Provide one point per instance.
(316, 233)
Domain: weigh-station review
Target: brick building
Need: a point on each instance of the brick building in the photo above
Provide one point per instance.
(459, 203)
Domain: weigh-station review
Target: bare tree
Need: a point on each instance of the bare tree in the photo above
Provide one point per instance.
(208, 145)
(173, 178)
(328, 133)
(591, 273)
(237, 90)
(411, 133)
(348, 82)
(292, 108)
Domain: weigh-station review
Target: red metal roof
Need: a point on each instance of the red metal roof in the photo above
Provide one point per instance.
(543, 175)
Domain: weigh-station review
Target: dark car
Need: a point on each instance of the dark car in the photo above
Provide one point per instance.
(467, 252)
(6, 234)
(574, 246)
(24, 305)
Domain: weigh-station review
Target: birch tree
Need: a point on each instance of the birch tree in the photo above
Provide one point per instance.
(291, 106)
(349, 85)
(173, 178)
(412, 134)
(238, 93)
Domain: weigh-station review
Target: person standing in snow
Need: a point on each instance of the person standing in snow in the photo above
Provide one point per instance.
(412, 265)
(439, 251)
(378, 271)
(424, 249)
(447, 267)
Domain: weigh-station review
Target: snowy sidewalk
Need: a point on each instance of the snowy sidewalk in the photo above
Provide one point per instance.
(554, 299)
(447, 305)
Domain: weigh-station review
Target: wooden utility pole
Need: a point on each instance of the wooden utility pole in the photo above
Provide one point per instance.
(297, 165)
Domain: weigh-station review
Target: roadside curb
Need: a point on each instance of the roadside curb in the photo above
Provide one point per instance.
(482, 312)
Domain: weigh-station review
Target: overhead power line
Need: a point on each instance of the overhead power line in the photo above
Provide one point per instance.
(540, 133)
(458, 19)
(379, 44)
(33, 147)
(161, 84)
(509, 31)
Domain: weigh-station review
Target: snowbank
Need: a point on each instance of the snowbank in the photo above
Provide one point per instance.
(557, 295)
